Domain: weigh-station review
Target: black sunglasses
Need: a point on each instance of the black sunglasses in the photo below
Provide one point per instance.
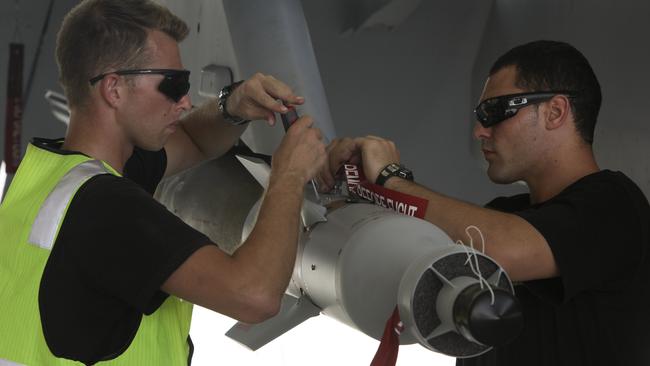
(494, 110)
(174, 85)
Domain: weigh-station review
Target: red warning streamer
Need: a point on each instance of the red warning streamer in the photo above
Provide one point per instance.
(400, 202)
(14, 109)
(389, 346)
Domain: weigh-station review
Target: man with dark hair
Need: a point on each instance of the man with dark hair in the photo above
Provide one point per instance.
(93, 269)
(577, 245)
(569, 71)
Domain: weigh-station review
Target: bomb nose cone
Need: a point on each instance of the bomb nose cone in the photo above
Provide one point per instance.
(490, 323)
(495, 324)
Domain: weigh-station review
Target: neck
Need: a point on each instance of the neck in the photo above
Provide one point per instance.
(560, 172)
(98, 138)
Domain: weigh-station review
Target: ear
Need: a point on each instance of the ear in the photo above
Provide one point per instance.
(112, 88)
(559, 112)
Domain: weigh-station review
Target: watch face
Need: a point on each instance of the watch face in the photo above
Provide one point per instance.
(391, 170)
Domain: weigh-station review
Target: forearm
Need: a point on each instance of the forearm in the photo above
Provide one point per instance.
(269, 252)
(509, 239)
(209, 132)
(450, 214)
(248, 285)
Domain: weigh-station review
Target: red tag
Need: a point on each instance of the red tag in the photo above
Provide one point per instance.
(389, 345)
(14, 109)
(400, 202)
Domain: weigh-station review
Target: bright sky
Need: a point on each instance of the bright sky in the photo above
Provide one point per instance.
(320, 341)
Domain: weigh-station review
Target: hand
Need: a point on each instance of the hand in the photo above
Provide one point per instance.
(374, 152)
(256, 98)
(301, 152)
(339, 152)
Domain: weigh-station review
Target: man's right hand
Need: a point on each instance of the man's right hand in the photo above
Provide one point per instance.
(374, 152)
(301, 152)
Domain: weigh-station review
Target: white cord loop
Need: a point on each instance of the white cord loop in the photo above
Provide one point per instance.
(473, 265)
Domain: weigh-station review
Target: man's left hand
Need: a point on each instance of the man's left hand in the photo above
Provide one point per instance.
(256, 98)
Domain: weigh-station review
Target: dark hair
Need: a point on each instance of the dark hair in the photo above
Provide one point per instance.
(99, 35)
(557, 66)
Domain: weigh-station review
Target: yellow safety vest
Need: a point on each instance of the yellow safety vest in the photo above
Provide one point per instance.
(30, 217)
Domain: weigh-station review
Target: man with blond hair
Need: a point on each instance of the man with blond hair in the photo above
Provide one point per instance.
(95, 270)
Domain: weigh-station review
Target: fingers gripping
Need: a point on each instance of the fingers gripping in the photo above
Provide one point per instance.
(302, 150)
(256, 98)
(279, 90)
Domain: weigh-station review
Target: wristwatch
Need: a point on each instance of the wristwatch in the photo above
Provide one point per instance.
(223, 98)
(393, 170)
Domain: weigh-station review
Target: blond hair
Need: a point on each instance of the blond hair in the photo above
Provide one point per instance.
(102, 35)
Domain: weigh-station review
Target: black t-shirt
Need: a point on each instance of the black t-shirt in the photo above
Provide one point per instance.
(115, 248)
(598, 311)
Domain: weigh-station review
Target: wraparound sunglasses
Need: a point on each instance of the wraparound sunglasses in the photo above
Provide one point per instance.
(494, 110)
(174, 85)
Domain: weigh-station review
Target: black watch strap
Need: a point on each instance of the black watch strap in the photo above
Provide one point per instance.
(223, 99)
(393, 170)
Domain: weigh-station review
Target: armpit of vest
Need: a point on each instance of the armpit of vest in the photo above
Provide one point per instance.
(48, 220)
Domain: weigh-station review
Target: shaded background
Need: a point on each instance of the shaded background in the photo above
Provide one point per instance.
(416, 83)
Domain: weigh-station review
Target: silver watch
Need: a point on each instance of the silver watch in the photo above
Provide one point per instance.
(223, 98)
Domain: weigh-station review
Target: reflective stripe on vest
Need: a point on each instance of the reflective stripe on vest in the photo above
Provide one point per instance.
(4, 362)
(46, 225)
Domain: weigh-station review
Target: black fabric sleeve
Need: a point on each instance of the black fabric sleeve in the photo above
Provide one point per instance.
(125, 242)
(146, 168)
(594, 232)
